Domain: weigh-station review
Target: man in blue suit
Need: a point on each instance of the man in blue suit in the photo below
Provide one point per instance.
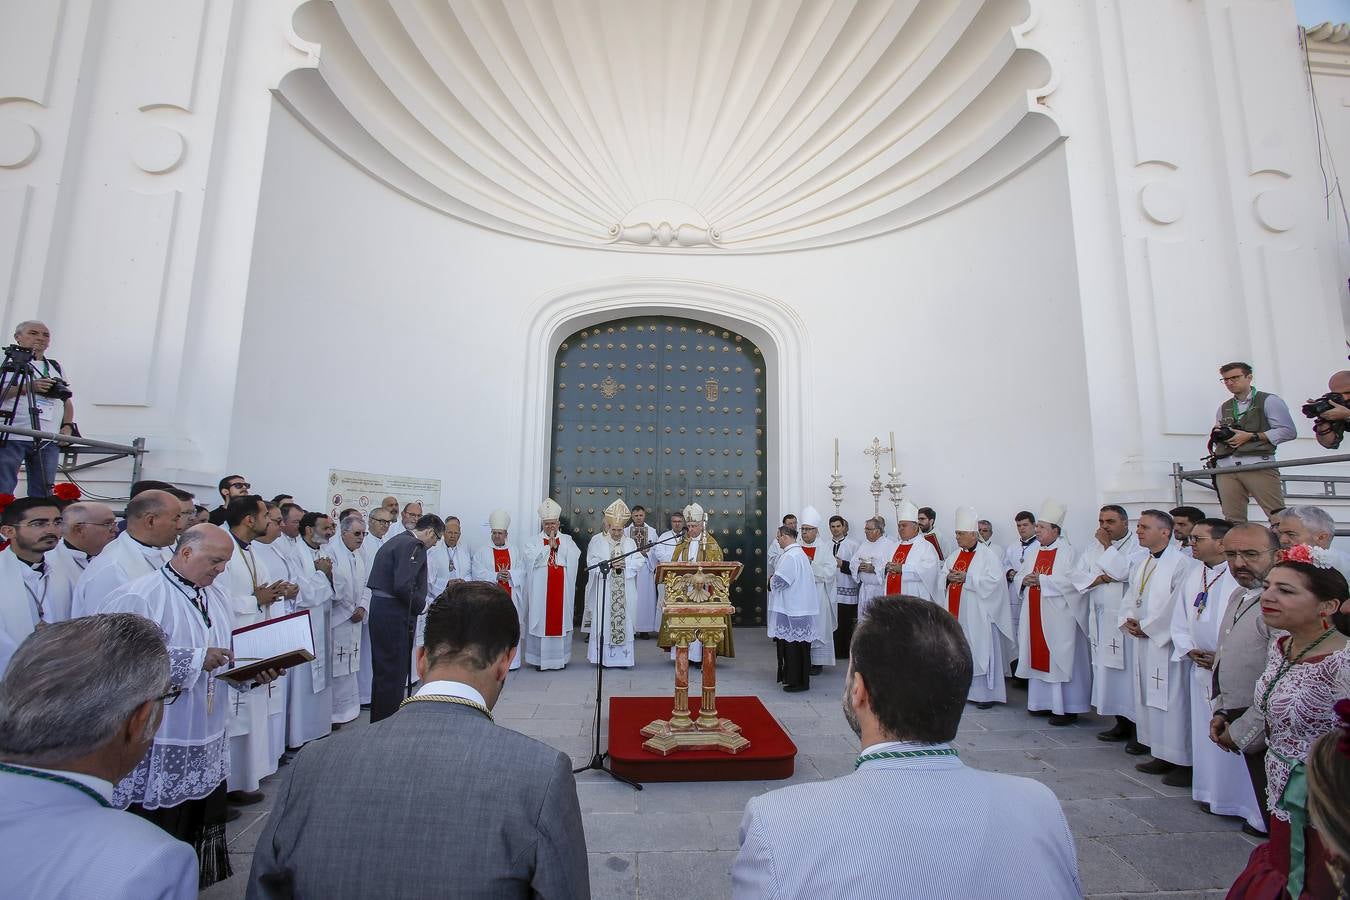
(912, 820)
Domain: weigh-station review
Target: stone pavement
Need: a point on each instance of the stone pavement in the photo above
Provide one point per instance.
(1136, 836)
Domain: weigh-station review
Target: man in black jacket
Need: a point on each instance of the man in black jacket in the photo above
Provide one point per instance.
(398, 589)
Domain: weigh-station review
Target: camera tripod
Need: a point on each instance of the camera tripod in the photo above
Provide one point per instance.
(17, 376)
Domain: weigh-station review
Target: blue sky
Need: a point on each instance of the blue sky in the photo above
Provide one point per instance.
(1315, 12)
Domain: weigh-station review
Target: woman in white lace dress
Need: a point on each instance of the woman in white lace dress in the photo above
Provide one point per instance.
(1307, 673)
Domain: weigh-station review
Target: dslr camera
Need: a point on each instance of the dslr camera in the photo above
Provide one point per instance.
(1315, 409)
(60, 389)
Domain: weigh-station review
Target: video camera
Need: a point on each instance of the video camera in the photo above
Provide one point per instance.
(19, 361)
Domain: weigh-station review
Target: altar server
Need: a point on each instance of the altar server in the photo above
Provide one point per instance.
(1106, 565)
(645, 619)
(612, 599)
(59, 837)
(914, 565)
(972, 578)
(869, 563)
(152, 528)
(499, 562)
(254, 597)
(29, 596)
(845, 586)
(823, 570)
(1052, 641)
(551, 559)
(309, 697)
(351, 602)
(794, 603)
(699, 545)
(1161, 692)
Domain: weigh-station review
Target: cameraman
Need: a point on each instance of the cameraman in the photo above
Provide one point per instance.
(1247, 429)
(54, 413)
(1331, 411)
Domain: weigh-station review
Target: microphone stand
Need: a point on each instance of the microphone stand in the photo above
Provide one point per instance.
(598, 621)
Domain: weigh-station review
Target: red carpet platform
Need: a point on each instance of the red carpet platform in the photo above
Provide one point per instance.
(771, 754)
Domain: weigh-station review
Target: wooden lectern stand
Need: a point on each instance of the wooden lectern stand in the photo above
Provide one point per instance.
(697, 608)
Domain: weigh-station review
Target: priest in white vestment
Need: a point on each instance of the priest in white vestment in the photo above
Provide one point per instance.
(914, 566)
(449, 561)
(794, 603)
(646, 622)
(551, 559)
(351, 604)
(869, 563)
(986, 533)
(612, 598)
(1052, 641)
(274, 565)
(698, 544)
(1219, 778)
(378, 523)
(29, 596)
(309, 698)
(1015, 555)
(503, 564)
(663, 552)
(1107, 562)
(824, 570)
(89, 527)
(255, 596)
(1161, 689)
(152, 529)
(975, 594)
(845, 586)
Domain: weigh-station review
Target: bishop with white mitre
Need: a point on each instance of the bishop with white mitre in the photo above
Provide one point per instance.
(975, 595)
(612, 599)
(914, 567)
(499, 562)
(823, 570)
(1052, 640)
(551, 559)
(699, 545)
(869, 563)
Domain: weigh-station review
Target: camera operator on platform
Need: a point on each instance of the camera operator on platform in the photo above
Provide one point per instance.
(1331, 411)
(1247, 428)
(51, 396)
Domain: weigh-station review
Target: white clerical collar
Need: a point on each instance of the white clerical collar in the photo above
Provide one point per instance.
(451, 689)
(104, 788)
(1221, 567)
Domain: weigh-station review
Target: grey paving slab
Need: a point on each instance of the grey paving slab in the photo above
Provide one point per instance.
(1004, 740)
(705, 797)
(613, 875)
(680, 875)
(648, 831)
(1094, 818)
(1100, 868)
(1210, 861)
(598, 793)
(1178, 815)
(1087, 758)
(1009, 762)
(1085, 784)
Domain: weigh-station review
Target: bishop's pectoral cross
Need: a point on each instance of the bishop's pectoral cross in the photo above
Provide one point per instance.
(1157, 678)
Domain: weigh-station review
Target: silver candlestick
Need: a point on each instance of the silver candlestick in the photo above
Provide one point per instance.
(876, 486)
(837, 483)
(894, 485)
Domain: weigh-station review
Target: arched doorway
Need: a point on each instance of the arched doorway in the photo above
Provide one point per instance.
(663, 412)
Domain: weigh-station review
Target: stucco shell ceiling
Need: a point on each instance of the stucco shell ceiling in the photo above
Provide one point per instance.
(703, 126)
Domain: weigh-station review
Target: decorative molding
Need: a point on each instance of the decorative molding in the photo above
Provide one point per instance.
(782, 126)
(1328, 47)
(19, 143)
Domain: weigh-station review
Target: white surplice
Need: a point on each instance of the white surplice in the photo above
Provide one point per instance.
(28, 596)
(982, 609)
(350, 593)
(542, 649)
(65, 565)
(1066, 687)
(918, 575)
(189, 757)
(309, 699)
(1013, 557)
(613, 601)
(369, 547)
(645, 619)
(823, 571)
(794, 601)
(1220, 778)
(124, 559)
(871, 585)
(275, 565)
(845, 583)
(1112, 648)
(484, 568)
(252, 742)
(1161, 690)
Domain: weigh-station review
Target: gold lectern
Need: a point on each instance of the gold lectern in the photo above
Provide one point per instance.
(697, 608)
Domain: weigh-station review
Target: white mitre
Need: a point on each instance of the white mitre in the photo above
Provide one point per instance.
(617, 514)
(809, 518)
(906, 512)
(500, 520)
(1053, 512)
(549, 510)
(967, 519)
(694, 514)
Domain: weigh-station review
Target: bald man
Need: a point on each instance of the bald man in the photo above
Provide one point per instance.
(89, 527)
(152, 529)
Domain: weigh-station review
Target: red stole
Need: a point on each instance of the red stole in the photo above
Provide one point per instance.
(501, 561)
(810, 553)
(962, 564)
(553, 601)
(932, 539)
(1040, 650)
(894, 581)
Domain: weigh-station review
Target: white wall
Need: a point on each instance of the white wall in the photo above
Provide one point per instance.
(382, 336)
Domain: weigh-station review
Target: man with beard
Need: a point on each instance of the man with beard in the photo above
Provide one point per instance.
(31, 598)
(230, 487)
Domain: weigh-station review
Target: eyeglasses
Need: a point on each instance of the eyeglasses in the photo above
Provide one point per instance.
(382, 521)
(169, 696)
(111, 525)
(43, 523)
(1248, 555)
(1227, 378)
(239, 484)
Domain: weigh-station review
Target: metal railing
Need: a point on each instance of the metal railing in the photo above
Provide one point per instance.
(73, 448)
(1333, 487)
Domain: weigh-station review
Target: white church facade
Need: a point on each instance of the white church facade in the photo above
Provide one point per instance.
(281, 237)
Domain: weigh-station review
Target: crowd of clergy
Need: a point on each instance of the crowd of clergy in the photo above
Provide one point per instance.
(1128, 622)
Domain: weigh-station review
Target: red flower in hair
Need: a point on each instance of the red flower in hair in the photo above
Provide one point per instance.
(67, 491)
(1298, 553)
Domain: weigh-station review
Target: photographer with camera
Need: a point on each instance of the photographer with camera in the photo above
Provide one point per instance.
(1331, 411)
(43, 381)
(1247, 429)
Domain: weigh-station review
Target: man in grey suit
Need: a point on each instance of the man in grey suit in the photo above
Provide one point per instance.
(1244, 645)
(436, 800)
(78, 710)
(911, 821)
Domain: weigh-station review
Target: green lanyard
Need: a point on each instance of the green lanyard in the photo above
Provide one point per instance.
(59, 779)
(903, 754)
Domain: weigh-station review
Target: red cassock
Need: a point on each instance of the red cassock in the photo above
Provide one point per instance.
(962, 564)
(932, 539)
(1040, 649)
